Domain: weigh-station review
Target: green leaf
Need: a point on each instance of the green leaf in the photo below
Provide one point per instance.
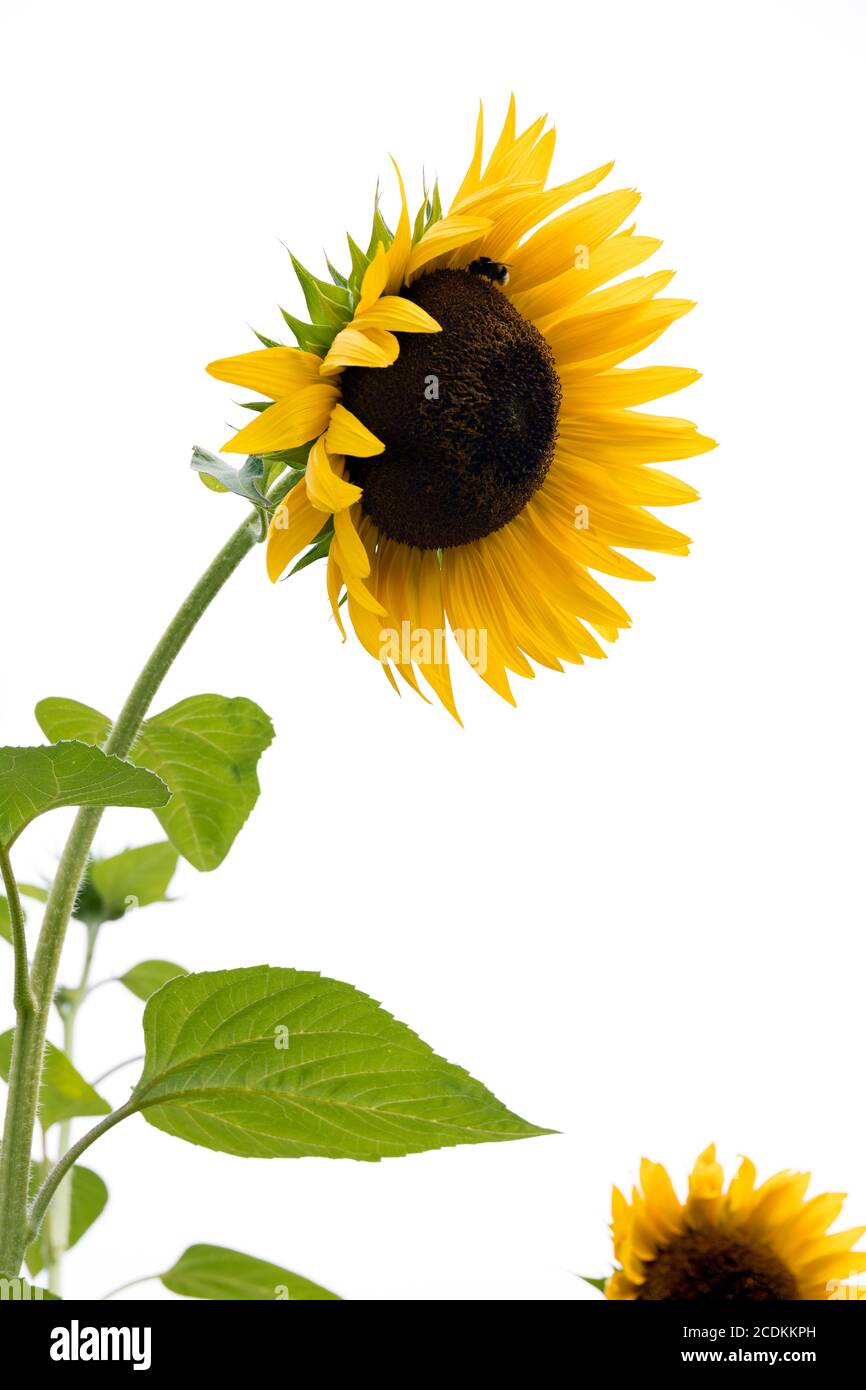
(272, 1063)
(32, 890)
(59, 718)
(211, 1271)
(145, 979)
(245, 482)
(5, 920)
(135, 878)
(600, 1284)
(13, 1290)
(64, 1092)
(35, 780)
(88, 1197)
(206, 750)
(26, 890)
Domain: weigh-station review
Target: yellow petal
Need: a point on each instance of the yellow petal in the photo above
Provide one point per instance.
(535, 163)
(398, 251)
(373, 283)
(635, 291)
(288, 423)
(353, 347)
(617, 254)
(497, 165)
(627, 436)
(353, 555)
(530, 208)
(398, 314)
(469, 622)
(346, 435)
(594, 335)
(705, 1181)
(444, 237)
(472, 176)
(294, 525)
(335, 587)
(660, 1195)
(326, 486)
(359, 593)
(394, 564)
(623, 387)
(556, 245)
(620, 1288)
(275, 372)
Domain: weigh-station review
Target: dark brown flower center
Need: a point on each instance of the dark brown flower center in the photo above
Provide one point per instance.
(710, 1264)
(467, 417)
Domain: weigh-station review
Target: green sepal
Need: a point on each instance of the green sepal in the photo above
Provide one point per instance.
(381, 231)
(359, 266)
(335, 275)
(435, 207)
(420, 222)
(429, 212)
(265, 340)
(290, 458)
(311, 337)
(323, 304)
(317, 551)
(600, 1284)
(247, 481)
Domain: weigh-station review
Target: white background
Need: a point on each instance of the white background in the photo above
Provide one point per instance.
(633, 905)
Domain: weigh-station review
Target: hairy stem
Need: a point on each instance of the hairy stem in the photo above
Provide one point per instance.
(60, 1216)
(26, 1067)
(60, 1169)
(22, 995)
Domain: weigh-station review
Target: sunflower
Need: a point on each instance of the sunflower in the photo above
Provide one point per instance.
(462, 427)
(749, 1243)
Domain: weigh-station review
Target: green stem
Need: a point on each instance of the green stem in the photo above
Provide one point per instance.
(22, 996)
(28, 1048)
(60, 1215)
(118, 1066)
(61, 1168)
(130, 1284)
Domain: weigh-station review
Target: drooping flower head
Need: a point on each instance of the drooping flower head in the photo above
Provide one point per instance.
(470, 453)
(752, 1242)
